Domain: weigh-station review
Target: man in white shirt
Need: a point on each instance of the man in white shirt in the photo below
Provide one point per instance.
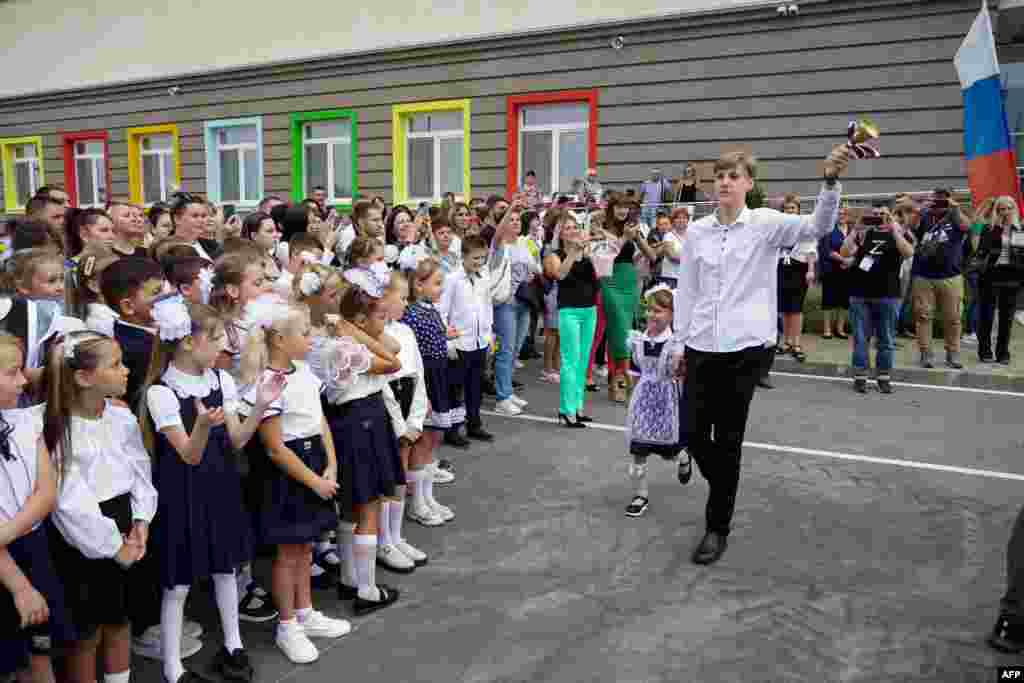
(725, 318)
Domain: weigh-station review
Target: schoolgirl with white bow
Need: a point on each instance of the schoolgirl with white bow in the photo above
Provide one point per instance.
(105, 500)
(32, 612)
(191, 424)
(653, 425)
(295, 469)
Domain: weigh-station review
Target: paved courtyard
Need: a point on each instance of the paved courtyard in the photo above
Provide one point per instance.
(839, 569)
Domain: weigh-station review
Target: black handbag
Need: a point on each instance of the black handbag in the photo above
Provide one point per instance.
(531, 294)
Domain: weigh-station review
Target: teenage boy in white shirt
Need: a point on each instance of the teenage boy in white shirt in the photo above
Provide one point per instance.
(725, 307)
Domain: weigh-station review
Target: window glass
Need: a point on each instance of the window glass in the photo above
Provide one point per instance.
(451, 165)
(556, 114)
(151, 178)
(319, 130)
(316, 166)
(572, 159)
(421, 168)
(252, 175)
(84, 180)
(342, 170)
(537, 152)
(236, 135)
(230, 182)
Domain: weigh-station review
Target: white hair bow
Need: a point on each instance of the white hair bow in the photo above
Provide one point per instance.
(367, 280)
(172, 319)
(310, 283)
(265, 311)
(205, 284)
(660, 287)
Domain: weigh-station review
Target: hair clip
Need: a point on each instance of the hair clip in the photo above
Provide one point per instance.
(310, 283)
(205, 284)
(660, 287)
(171, 317)
(88, 266)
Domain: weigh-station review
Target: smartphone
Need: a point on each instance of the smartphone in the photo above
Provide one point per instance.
(229, 211)
(872, 220)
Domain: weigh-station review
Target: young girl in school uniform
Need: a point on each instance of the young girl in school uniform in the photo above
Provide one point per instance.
(105, 501)
(191, 424)
(652, 422)
(296, 471)
(371, 467)
(32, 604)
(432, 337)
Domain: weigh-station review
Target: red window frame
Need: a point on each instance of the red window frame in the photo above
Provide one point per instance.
(68, 141)
(515, 102)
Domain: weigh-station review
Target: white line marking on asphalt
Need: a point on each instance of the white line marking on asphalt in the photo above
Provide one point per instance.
(796, 450)
(849, 380)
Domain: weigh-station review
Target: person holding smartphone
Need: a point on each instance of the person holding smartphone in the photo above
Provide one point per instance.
(877, 251)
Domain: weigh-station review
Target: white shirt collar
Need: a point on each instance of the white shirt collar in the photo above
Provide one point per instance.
(189, 386)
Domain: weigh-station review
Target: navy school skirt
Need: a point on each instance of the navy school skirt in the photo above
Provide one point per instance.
(286, 511)
(369, 464)
(95, 591)
(31, 553)
(445, 411)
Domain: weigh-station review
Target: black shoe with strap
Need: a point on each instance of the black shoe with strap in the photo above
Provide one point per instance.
(478, 433)
(584, 419)
(637, 507)
(565, 421)
(234, 666)
(710, 549)
(860, 385)
(388, 596)
(453, 437)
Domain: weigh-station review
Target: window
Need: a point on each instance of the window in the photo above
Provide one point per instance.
(86, 171)
(1012, 76)
(22, 170)
(431, 150)
(154, 166)
(234, 161)
(324, 155)
(554, 135)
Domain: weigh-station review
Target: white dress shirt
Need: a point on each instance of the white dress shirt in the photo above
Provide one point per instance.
(100, 318)
(298, 406)
(467, 303)
(107, 460)
(670, 263)
(412, 366)
(726, 296)
(18, 475)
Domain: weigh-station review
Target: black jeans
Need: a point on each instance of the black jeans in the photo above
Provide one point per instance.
(718, 390)
(472, 383)
(991, 297)
(1012, 603)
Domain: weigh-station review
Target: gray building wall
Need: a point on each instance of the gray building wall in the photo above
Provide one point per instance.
(681, 90)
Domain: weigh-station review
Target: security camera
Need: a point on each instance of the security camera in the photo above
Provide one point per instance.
(174, 90)
(618, 42)
(793, 10)
(782, 11)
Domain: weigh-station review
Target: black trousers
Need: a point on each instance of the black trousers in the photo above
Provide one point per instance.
(1012, 603)
(472, 383)
(718, 390)
(992, 296)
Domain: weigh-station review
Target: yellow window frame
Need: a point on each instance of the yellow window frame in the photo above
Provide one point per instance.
(399, 114)
(134, 135)
(7, 164)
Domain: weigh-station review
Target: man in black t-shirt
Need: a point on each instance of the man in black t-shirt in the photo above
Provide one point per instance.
(878, 248)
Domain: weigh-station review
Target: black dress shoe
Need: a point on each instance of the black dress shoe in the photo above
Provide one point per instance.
(584, 419)
(388, 596)
(591, 388)
(479, 434)
(710, 549)
(347, 592)
(454, 437)
(234, 666)
(1007, 635)
(516, 384)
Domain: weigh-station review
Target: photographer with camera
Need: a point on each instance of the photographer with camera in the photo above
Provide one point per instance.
(999, 266)
(877, 246)
(937, 276)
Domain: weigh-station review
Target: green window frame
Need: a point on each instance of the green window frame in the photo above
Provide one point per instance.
(299, 123)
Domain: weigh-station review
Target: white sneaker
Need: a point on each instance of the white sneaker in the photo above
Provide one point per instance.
(444, 512)
(394, 559)
(508, 407)
(418, 557)
(971, 339)
(520, 365)
(319, 625)
(295, 644)
(423, 515)
(518, 401)
(148, 644)
(440, 476)
(601, 371)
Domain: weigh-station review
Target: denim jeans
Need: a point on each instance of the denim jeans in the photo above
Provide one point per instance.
(879, 317)
(971, 315)
(511, 325)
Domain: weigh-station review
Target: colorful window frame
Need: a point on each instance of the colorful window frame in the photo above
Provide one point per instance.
(399, 115)
(133, 136)
(214, 192)
(7, 162)
(296, 123)
(512, 108)
(68, 142)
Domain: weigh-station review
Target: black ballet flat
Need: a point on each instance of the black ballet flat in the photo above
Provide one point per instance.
(388, 596)
(564, 420)
(583, 418)
(591, 388)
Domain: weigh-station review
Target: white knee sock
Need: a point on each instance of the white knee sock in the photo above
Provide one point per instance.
(226, 591)
(428, 487)
(638, 475)
(397, 510)
(123, 677)
(346, 532)
(416, 478)
(172, 622)
(365, 551)
(383, 523)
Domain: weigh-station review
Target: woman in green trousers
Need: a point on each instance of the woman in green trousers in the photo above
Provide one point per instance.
(577, 317)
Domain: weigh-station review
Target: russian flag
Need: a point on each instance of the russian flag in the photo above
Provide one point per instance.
(988, 147)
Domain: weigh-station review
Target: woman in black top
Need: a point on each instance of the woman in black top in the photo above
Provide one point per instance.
(577, 316)
(1000, 260)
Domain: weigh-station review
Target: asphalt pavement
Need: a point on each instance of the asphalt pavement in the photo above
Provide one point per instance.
(868, 545)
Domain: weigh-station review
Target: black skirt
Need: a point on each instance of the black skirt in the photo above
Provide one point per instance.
(445, 412)
(31, 553)
(95, 591)
(403, 389)
(835, 290)
(792, 286)
(369, 464)
(287, 511)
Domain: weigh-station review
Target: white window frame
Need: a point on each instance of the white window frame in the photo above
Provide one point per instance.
(330, 142)
(143, 153)
(98, 172)
(437, 136)
(34, 164)
(241, 148)
(556, 130)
